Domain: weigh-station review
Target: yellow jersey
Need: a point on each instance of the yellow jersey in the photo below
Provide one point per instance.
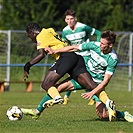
(48, 37)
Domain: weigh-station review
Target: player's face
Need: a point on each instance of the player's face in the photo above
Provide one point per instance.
(105, 46)
(32, 36)
(70, 20)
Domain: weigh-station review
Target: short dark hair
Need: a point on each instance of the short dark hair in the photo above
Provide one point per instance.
(109, 35)
(31, 27)
(70, 12)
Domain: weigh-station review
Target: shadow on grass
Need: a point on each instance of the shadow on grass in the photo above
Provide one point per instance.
(98, 119)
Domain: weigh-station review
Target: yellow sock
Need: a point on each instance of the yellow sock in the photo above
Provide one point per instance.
(103, 97)
(91, 102)
(53, 92)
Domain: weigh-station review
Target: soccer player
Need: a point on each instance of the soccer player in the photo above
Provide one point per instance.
(76, 33)
(67, 62)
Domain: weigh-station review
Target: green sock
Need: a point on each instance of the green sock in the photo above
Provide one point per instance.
(40, 106)
(94, 97)
(120, 114)
(68, 93)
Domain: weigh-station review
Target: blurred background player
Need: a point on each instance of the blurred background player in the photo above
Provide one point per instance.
(76, 33)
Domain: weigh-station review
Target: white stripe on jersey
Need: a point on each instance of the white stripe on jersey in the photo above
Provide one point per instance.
(93, 31)
(76, 36)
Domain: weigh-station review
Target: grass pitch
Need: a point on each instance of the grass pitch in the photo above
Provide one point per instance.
(76, 117)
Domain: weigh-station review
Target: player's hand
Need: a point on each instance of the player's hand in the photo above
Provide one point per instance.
(25, 75)
(87, 95)
(49, 50)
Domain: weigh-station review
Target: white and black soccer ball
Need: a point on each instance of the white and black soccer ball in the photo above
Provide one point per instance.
(14, 113)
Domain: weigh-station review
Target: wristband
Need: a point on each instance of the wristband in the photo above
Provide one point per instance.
(27, 67)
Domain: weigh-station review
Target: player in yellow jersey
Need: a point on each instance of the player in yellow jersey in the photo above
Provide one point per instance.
(68, 62)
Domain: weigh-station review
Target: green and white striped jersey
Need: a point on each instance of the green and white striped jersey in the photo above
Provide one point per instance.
(98, 63)
(79, 35)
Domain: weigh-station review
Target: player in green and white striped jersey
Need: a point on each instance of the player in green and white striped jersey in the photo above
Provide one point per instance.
(76, 33)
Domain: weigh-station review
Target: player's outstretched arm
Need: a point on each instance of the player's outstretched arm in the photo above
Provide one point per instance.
(98, 89)
(35, 60)
(67, 49)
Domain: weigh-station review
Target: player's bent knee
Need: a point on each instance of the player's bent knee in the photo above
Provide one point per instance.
(46, 86)
(43, 87)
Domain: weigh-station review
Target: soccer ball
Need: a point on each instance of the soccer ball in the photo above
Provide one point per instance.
(14, 113)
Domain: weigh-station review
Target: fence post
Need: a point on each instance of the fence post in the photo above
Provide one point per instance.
(130, 62)
(8, 60)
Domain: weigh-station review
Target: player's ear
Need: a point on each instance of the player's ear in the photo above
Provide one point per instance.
(111, 45)
(65, 20)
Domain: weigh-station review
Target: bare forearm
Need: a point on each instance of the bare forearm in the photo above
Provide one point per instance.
(99, 88)
(67, 49)
(38, 57)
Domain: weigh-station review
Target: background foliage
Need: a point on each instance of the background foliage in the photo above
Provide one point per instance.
(102, 14)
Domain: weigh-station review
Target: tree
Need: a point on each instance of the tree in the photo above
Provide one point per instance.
(102, 14)
(106, 14)
(19, 13)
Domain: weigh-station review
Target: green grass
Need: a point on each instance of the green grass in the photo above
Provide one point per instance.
(76, 117)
